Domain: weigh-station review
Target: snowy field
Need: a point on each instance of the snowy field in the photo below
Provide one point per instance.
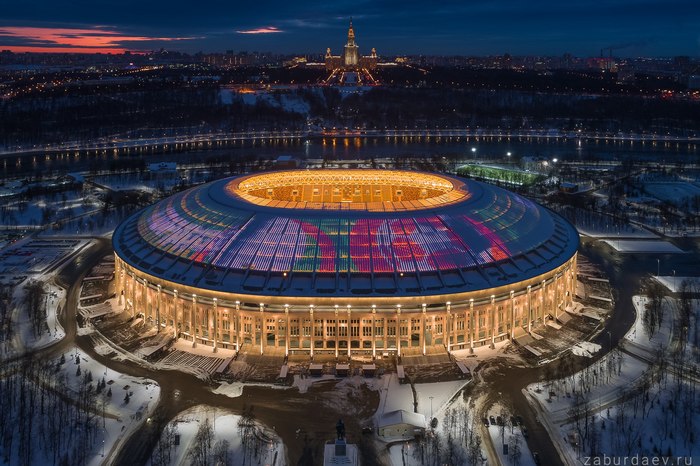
(628, 402)
(25, 339)
(105, 416)
(634, 246)
(507, 434)
(229, 440)
(27, 270)
(288, 101)
(149, 182)
(673, 283)
(673, 192)
(46, 208)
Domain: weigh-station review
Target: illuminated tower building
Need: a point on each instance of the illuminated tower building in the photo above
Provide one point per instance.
(352, 54)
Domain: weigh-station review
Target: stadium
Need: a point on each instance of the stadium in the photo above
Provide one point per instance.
(343, 262)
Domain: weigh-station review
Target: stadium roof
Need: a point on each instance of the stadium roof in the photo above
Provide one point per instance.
(226, 236)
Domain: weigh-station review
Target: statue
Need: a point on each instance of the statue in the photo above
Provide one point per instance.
(340, 429)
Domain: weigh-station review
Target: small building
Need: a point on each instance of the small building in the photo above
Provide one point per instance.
(368, 370)
(401, 425)
(316, 370)
(342, 370)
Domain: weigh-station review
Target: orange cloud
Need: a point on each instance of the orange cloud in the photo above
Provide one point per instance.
(71, 40)
(262, 30)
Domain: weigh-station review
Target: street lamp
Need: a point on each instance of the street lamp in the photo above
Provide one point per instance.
(658, 264)
(431, 410)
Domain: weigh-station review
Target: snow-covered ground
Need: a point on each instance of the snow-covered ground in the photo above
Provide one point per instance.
(29, 261)
(673, 283)
(585, 348)
(509, 435)
(672, 191)
(149, 182)
(25, 339)
(144, 394)
(266, 448)
(47, 208)
(113, 416)
(639, 246)
(626, 404)
(288, 101)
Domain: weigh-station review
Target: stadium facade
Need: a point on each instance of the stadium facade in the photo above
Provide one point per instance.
(345, 262)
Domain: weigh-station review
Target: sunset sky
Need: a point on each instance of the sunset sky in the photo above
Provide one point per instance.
(478, 27)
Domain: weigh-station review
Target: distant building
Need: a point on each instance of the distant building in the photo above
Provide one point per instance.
(351, 60)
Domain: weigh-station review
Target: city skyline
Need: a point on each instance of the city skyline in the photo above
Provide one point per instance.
(623, 28)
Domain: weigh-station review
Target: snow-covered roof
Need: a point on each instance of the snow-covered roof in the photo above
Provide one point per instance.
(468, 236)
(401, 416)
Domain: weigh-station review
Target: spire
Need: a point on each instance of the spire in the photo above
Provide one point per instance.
(351, 34)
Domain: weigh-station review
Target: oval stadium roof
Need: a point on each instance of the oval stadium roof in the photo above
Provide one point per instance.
(219, 236)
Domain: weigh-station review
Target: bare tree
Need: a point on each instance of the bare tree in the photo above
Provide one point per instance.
(200, 453)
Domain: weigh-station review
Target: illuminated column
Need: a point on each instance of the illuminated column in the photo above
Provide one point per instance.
(117, 278)
(374, 339)
(160, 289)
(422, 328)
(216, 317)
(544, 299)
(556, 295)
(398, 330)
(493, 321)
(239, 330)
(262, 325)
(448, 325)
(529, 309)
(193, 320)
(144, 299)
(574, 277)
(133, 294)
(231, 326)
(572, 286)
(313, 329)
(122, 285)
(512, 315)
(337, 331)
(385, 324)
(472, 324)
(175, 319)
(286, 333)
(349, 331)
